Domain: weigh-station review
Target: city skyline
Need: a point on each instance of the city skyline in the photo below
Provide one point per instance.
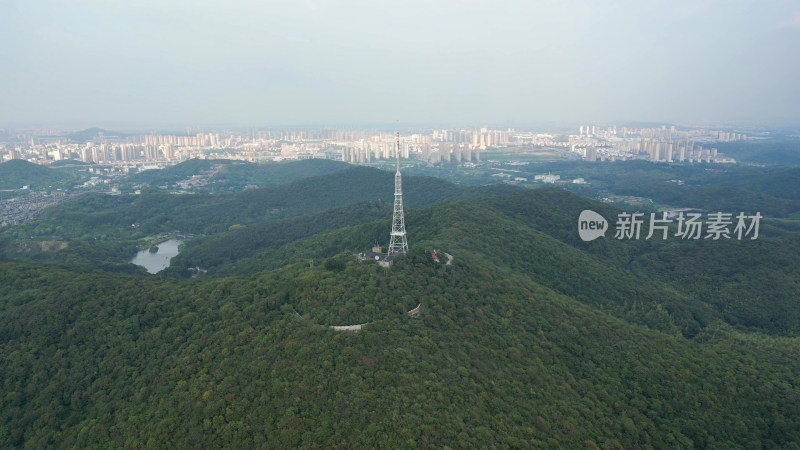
(115, 64)
(432, 146)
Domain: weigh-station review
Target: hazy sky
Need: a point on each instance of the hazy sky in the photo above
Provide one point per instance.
(179, 62)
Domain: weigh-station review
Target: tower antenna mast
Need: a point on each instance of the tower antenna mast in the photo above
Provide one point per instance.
(398, 242)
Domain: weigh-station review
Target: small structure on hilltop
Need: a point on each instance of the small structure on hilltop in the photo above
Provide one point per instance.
(376, 254)
(383, 259)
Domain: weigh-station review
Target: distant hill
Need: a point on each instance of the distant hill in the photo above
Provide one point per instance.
(236, 175)
(783, 183)
(17, 173)
(784, 152)
(770, 190)
(91, 133)
(93, 215)
(172, 174)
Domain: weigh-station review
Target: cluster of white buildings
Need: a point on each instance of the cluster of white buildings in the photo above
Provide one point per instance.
(653, 144)
(460, 146)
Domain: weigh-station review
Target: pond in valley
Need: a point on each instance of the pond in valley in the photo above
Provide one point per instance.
(155, 262)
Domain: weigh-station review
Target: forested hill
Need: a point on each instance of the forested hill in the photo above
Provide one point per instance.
(774, 191)
(551, 211)
(172, 174)
(98, 215)
(495, 359)
(236, 176)
(227, 174)
(218, 251)
(673, 285)
(529, 338)
(17, 173)
(91, 133)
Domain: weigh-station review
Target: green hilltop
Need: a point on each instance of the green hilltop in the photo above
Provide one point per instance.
(17, 173)
(228, 175)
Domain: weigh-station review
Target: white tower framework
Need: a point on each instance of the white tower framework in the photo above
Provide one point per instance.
(398, 242)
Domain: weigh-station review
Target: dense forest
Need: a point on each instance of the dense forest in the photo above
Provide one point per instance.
(96, 215)
(172, 174)
(17, 173)
(773, 190)
(100, 231)
(684, 284)
(238, 176)
(780, 151)
(530, 337)
(226, 175)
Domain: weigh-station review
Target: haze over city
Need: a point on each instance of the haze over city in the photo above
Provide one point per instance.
(150, 63)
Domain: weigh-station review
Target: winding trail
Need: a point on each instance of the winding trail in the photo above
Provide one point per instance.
(449, 259)
(357, 327)
(348, 327)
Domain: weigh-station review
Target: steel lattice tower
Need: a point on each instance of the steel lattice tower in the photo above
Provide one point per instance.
(398, 242)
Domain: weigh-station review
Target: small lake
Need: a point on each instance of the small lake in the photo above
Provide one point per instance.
(158, 261)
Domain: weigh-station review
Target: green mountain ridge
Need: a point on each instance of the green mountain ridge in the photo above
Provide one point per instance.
(230, 175)
(771, 190)
(242, 242)
(535, 232)
(235, 176)
(172, 174)
(17, 173)
(99, 215)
